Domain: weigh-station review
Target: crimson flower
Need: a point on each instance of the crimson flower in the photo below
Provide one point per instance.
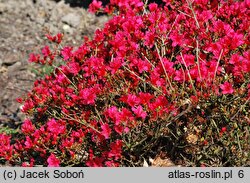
(28, 142)
(95, 6)
(235, 59)
(34, 58)
(59, 37)
(139, 112)
(56, 127)
(53, 161)
(223, 129)
(88, 96)
(46, 51)
(27, 126)
(6, 149)
(106, 131)
(227, 88)
(113, 113)
(143, 66)
(116, 149)
(50, 37)
(74, 68)
(66, 52)
(176, 38)
(119, 129)
(145, 97)
(236, 40)
(149, 38)
(133, 100)
(153, 7)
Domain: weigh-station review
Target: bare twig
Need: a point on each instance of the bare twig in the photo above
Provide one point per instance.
(238, 140)
(167, 77)
(191, 81)
(83, 122)
(148, 60)
(172, 26)
(65, 76)
(241, 107)
(216, 69)
(143, 80)
(197, 58)
(195, 18)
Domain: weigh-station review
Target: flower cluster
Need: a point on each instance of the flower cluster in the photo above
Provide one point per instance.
(140, 73)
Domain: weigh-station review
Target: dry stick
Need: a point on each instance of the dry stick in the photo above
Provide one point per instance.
(169, 32)
(197, 43)
(163, 51)
(167, 77)
(83, 122)
(238, 140)
(215, 126)
(217, 65)
(240, 108)
(143, 80)
(184, 78)
(172, 26)
(184, 13)
(148, 60)
(98, 114)
(189, 46)
(191, 81)
(195, 18)
(197, 58)
(65, 76)
(198, 62)
(73, 119)
(144, 7)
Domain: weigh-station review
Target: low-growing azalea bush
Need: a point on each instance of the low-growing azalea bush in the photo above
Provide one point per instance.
(171, 77)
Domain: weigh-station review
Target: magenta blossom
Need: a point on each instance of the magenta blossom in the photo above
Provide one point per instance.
(53, 161)
(95, 6)
(227, 88)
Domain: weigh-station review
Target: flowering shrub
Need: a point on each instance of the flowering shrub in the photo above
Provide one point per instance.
(172, 77)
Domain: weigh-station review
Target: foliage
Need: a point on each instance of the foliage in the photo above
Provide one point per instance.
(168, 78)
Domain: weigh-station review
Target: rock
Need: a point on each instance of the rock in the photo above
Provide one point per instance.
(14, 67)
(3, 69)
(67, 29)
(21, 116)
(3, 7)
(10, 59)
(4, 119)
(162, 162)
(40, 20)
(71, 19)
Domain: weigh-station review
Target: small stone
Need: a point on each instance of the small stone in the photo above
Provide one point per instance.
(14, 67)
(159, 162)
(4, 119)
(3, 69)
(192, 139)
(40, 20)
(67, 29)
(71, 19)
(3, 7)
(10, 59)
(21, 115)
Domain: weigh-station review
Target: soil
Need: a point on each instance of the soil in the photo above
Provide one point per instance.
(23, 24)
